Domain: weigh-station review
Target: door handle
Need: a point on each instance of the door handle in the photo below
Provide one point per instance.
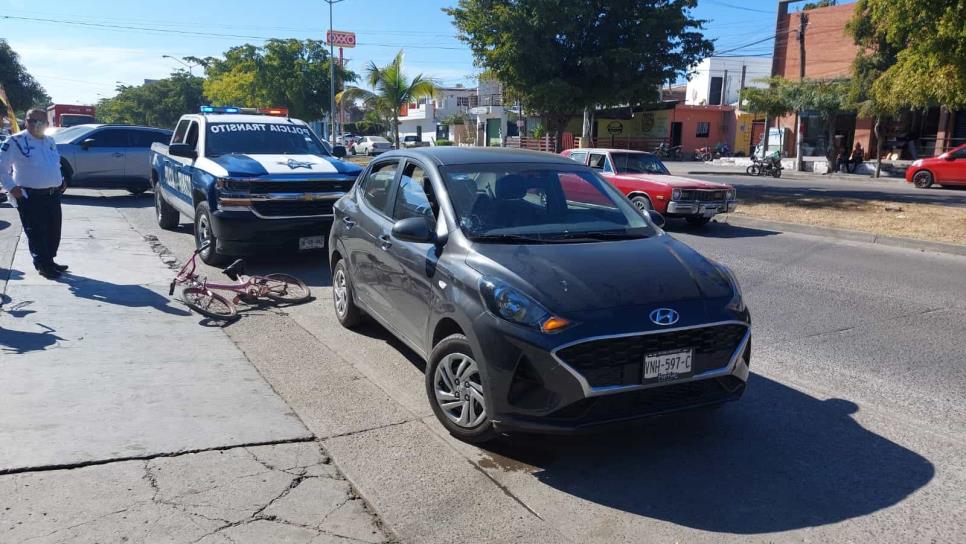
(348, 222)
(386, 241)
(119, 155)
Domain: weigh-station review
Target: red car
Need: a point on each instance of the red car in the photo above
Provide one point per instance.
(644, 179)
(946, 169)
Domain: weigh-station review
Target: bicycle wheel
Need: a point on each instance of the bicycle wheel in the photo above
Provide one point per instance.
(285, 288)
(208, 304)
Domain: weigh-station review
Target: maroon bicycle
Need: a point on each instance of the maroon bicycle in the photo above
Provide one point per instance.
(199, 294)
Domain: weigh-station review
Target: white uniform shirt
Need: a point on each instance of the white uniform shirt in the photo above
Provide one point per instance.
(31, 162)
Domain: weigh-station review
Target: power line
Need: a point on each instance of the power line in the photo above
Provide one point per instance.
(742, 8)
(203, 34)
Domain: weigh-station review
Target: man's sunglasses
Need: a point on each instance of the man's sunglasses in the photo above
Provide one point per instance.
(36, 121)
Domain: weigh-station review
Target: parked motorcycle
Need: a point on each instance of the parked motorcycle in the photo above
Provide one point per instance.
(664, 151)
(703, 154)
(769, 166)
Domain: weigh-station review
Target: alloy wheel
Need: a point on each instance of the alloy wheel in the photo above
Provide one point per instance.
(340, 291)
(459, 390)
(204, 232)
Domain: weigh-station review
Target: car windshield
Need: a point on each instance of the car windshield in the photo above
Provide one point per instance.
(261, 138)
(378, 140)
(539, 203)
(68, 135)
(637, 163)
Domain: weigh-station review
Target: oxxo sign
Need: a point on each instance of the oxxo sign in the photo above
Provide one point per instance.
(339, 38)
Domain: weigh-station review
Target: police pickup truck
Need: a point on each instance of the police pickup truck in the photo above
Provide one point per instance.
(250, 180)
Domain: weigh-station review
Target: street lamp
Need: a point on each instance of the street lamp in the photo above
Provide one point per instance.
(183, 63)
(331, 76)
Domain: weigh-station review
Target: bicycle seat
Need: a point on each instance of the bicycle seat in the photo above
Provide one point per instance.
(235, 269)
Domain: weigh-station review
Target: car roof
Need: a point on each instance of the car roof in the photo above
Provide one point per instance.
(608, 150)
(446, 155)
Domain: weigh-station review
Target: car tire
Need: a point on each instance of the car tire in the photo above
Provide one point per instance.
(343, 301)
(642, 203)
(459, 408)
(367, 152)
(203, 232)
(168, 217)
(922, 179)
(697, 221)
(137, 191)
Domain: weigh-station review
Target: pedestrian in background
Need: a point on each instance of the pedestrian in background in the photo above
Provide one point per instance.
(30, 173)
(858, 156)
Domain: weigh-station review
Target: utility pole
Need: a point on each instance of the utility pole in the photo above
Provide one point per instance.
(799, 140)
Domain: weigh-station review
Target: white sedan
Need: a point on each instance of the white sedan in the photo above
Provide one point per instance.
(371, 145)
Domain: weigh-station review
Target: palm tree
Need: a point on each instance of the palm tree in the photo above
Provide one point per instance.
(391, 90)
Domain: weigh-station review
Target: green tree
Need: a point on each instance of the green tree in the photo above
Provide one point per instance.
(391, 90)
(819, 4)
(562, 58)
(876, 55)
(289, 73)
(929, 38)
(157, 104)
(771, 101)
(22, 89)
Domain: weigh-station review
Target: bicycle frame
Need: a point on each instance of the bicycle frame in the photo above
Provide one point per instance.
(247, 285)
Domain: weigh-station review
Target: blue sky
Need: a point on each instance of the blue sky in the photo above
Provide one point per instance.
(79, 63)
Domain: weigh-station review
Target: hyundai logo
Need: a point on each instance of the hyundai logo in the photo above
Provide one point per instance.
(664, 316)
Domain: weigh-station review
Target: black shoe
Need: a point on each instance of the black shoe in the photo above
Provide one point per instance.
(49, 272)
(61, 267)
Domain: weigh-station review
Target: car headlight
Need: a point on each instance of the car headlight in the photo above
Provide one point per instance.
(233, 185)
(515, 307)
(676, 194)
(917, 162)
(737, 302)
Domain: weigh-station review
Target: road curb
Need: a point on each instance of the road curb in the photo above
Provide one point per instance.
(847, 235)
(796, 175)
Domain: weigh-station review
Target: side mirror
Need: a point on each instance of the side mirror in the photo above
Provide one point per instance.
(182, 150)
(414, 229)
(949, 157)
(86, 144)
(339, 151)
(656, 218)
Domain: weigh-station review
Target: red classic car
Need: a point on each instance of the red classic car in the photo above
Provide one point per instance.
(648, 184)
(946, 169)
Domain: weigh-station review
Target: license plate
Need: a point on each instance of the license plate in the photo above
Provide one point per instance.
(667, 365)
(312, 242)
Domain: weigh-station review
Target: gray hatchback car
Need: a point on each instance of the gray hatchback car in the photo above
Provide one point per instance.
(108, 156)
(539, 296)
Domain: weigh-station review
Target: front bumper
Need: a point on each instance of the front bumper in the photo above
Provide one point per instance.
(244, 233)
(677, 208)
(536, 387)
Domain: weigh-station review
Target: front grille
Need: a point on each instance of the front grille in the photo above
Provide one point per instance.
(702, 195)
(311, 186)
(293, 208)
(650, 401)
(619, 361)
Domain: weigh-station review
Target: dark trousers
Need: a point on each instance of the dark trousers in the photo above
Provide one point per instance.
(41, 218)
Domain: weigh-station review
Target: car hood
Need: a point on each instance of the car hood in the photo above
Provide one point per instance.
(256, 164)
(674, 181)
(581, 277)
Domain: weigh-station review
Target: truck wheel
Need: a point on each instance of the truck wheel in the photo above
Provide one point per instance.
(137, 191)
(205, 234)
(168, 217)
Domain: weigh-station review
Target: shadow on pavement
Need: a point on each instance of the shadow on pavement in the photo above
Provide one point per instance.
(376, 331)
(113, 200)
(4, 224)
(775, 461)
(132, 296)
(721, 230)
(798, 192)
(20, 342)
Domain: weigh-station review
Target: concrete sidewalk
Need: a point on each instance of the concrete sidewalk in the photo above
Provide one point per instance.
(122, 417)
(686, 168)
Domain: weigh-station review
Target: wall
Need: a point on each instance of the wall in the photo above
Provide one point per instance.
(720, 118)
(729, 69)
(829, 51)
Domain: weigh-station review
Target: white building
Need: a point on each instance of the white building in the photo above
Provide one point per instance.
(717, 80)
(481, 107)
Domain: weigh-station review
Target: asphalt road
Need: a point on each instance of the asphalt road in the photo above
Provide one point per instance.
(852, 428)
(843, 186)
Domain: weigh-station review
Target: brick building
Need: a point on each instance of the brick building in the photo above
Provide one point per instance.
(829, 53)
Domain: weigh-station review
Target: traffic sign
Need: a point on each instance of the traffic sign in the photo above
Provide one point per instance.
(615, 127)
(340, 38)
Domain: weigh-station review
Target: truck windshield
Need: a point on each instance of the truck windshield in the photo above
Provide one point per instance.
(74, 120)
(261, 139)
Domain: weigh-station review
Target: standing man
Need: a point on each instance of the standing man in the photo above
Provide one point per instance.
(30, 173)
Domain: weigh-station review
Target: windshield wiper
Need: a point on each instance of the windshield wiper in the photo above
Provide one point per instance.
(509, 238)
(604, 235)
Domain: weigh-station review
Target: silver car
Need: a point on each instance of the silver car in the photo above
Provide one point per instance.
(108, 156)
(371, 145)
